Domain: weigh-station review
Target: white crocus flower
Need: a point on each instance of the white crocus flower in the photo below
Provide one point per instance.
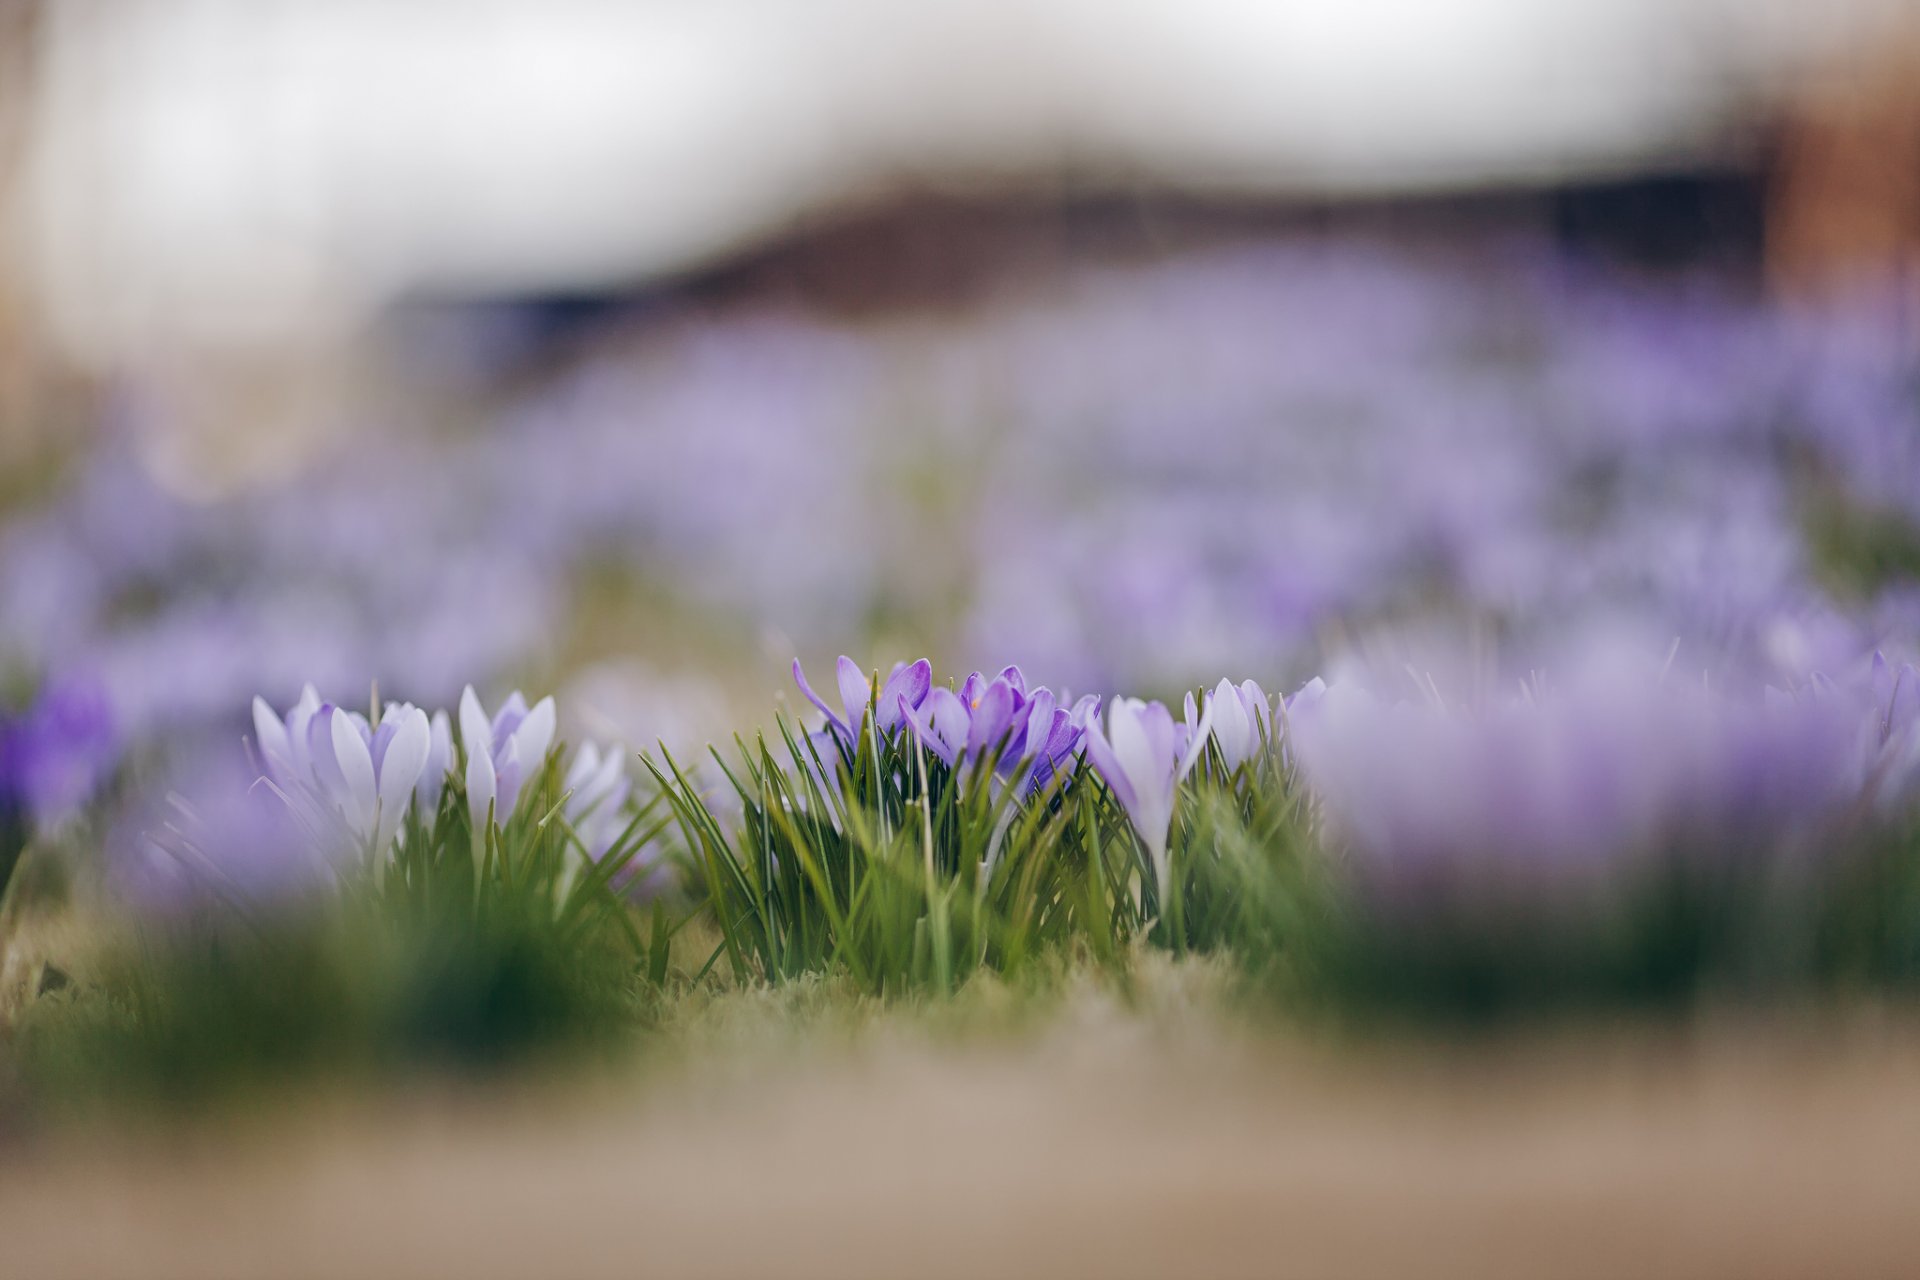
(596, 807)
(335, 759)
(1242, 720)
(502, 752)
(1141, 759)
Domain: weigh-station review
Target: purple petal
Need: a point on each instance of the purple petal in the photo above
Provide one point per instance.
(909, 684)
(855, 690)
(833, 720)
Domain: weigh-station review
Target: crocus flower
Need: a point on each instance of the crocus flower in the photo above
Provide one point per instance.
(1141, 759)
(502, 752)
(1242, 720)
(907, 684)
(363, 773)
(282, 740)
(596, 805)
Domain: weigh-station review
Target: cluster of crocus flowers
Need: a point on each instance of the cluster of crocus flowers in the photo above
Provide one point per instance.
(340, 771)
(330, 761)
(1025, 732)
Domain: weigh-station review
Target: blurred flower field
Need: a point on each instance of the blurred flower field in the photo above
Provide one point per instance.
(1547, 633)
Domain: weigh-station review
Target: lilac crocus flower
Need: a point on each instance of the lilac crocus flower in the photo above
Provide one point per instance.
(1140, 757)
(1242, 720)
(597, 803)
(363, 773)
(907, 684)
(502, 752)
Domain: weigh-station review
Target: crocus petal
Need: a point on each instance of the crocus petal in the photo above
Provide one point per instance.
(1133, 747)
(855, 689)
(1107, 764)
(507, 719)
(922, 721)
(909, 684)
(1255, 699)
(270, 735)
(1039, 726)
(400, 769)
(482, 786)
(299, 732)
(476, 730)
(384, 731)
(1195, 747)
(509, 773)
(433, 776)
(323, 762)
(992, 717)
(833, 718)
(586, 762)
(1234, 728)
(358, 795)
(535, 734)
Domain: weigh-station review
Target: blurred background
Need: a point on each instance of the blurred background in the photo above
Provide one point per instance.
(628, 349)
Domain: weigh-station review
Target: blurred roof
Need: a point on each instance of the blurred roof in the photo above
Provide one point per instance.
(237, 173)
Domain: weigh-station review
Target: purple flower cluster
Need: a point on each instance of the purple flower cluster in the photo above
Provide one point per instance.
(1565, 784)
(1022, 732)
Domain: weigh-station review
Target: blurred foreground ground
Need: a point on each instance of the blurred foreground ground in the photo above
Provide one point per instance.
(1108, 1142)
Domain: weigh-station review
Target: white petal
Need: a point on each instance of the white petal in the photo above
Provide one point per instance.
(299, 734)
(271, 737)
(356, 768)
(399, 770)
(612, 769)
(1194, 749)
(433, 776)
(480, 786)
(406, 757)
(1132, 748)
(586, 763)
(476, 731)
(535, 734)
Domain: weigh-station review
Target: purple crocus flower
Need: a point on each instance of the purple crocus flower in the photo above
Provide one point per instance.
(502, 752)
(1141, 757)
(907, 685)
